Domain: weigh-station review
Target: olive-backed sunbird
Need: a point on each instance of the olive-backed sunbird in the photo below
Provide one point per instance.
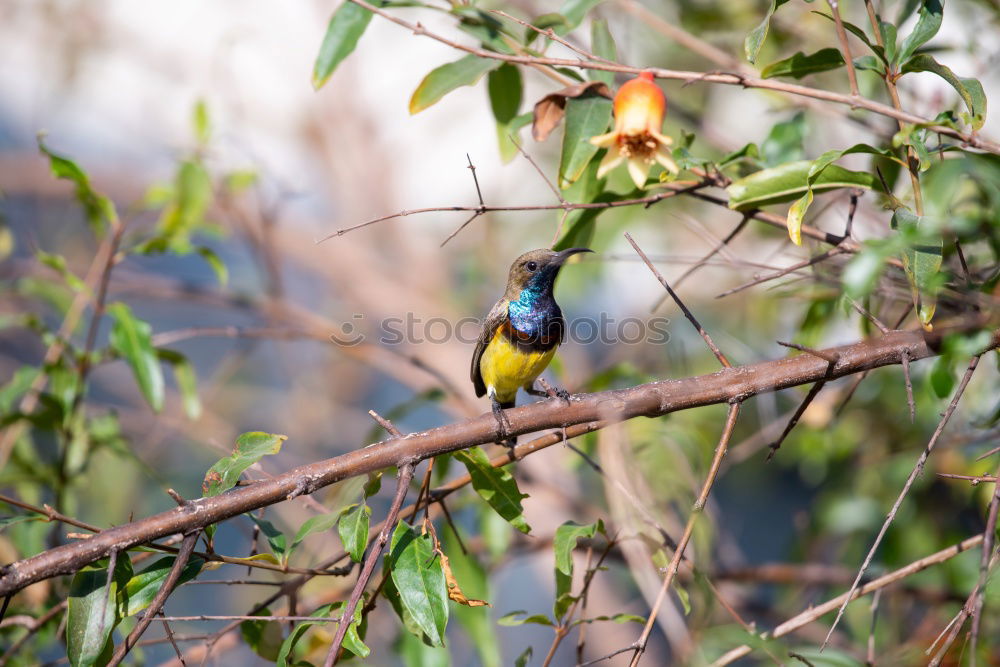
(521, 332)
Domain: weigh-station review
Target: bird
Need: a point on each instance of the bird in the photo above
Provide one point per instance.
(520, 334)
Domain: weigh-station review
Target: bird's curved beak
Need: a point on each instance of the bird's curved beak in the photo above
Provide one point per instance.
(563, 255)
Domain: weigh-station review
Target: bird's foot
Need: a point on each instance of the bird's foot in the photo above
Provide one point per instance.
(552, 392)
(503, 424)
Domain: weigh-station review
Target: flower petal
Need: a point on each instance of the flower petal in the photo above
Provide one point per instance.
(605, 140)
(610, 161)
(667, 162)
(638, 169)
(662, 138)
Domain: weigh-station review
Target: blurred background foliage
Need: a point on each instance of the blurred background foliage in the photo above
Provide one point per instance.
(190, 140)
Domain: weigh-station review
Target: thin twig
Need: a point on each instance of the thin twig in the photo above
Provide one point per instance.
(704, 260)
(917, 469)
(975, 479)
(979, 599)
(245, 617)
(173, 642)
(480, 210)
(870, 658)
(670, 190)
(852, 77)
(550, 34)
(687, 313)
(836, 250)
(347, 617)
(955, 625)
(187, 546)
(864, 312)
(829, 357)
(699, 506)
(799, 411)
(32, 630)
(565, 626)
(909, 387)
(814, 613)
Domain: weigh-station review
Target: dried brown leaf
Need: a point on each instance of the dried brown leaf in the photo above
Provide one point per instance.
(549, 110)
(454, 591)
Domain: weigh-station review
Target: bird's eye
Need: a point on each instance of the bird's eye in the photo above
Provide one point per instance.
(531, 266)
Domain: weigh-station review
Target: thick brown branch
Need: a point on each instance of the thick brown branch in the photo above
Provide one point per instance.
(646, 400)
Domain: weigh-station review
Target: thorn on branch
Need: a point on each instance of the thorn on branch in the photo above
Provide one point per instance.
(829, 357)
(181, 502)
(687, 313)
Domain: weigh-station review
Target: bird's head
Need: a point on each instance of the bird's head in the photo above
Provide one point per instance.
(537, 270)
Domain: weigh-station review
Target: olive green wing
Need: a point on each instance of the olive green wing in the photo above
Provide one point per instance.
(496, 317)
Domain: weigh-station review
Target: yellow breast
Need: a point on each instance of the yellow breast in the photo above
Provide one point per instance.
(505, 367)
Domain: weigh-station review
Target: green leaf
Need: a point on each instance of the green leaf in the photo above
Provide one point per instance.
(353, 529)
(565, 541)
(96, 206)
(581, 224)
(514, 619)
(276, 540)
(505, 89)
(921, 262)
(942, 376)
(6, 521)
(201, 123)
(263, 637)
(790, 181)
(683, 596)
(316, 524)
(888, 31)
(143, 587)
(352, 640)
(93, 611)
(18, 385)
(862, 272)
(250, 448)
(525, 657)
(784, 142)
(346, 26)
(193, 190)
(796, 214)
(819, 176)
(420, 581)
(415, 653)
(187, 380)
(475, 620)
(860, 34)
(58, 264)
(485, 27)
(870, 63)
(586, 116)
(446, 78)
(496, 486)
(801, 65)
(214, 261)
(574, 11)
(616, 618)
(928, 22)
(970, 90)
(755, 38)
(131, 338)
(602, 45)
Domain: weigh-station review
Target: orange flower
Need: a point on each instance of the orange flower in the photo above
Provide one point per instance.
(639, 109)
